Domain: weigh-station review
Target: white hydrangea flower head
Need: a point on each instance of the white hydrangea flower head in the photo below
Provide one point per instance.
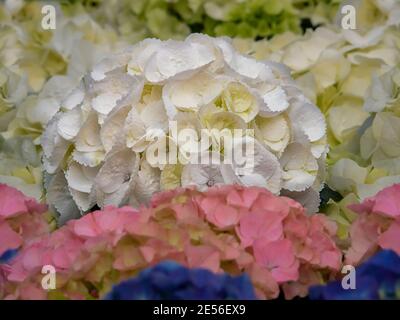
(95, 149)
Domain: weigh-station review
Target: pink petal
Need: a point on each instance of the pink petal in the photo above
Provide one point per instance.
(242, 198)
(203, 257)
(274, 254)
(12, 201)
(32, 258)
(86, 226)
(391, 238)
(148, 253)
(9, 239)
(387, 201)
(226, 216)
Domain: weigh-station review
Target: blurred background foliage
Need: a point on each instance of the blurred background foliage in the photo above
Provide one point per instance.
(166, 19)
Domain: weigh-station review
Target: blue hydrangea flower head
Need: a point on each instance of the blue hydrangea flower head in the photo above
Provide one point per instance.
(377, 278)
(171, 281)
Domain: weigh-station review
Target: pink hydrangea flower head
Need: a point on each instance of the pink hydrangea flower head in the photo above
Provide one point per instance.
(231, 229)
(21, 218)
(377, 225)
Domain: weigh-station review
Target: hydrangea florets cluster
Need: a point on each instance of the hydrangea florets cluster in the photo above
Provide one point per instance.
(376, 226)
(376, 278)
(232, 229)
(354, 78)
(233, 18)
(96, 149)
(21, 219)
(171, 281)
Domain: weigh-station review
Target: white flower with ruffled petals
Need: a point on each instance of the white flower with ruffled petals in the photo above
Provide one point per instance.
(101, 147)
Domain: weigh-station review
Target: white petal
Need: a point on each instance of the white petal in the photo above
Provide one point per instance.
(48, 136)
(109, 64)
(54, 146)
(308, 198)
(59, 196)
(379, 93)
(319, 148)
(80, 178)
(140, 55)
(191, 94)
(105, 102)
(118, 170)
(276, 100)
(83, 200)
(344, 118)
(117, 89)
(148, 182)
(74, 98)
(299, 166)
(69, 124)
(300, 55)
(88, 138)
(58, 87)
(359, 41)
(154, 115)
(244, 66)
(260, 168)
(202, 175)
(274, 132)
(308, 118)
(112, 129)
(175, 58)
(346, 174)
(42, 111)
(135, 131)
(88, 159)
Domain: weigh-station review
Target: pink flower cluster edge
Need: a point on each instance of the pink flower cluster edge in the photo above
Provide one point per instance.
(232, 229)
(21, 219)
(376, 226)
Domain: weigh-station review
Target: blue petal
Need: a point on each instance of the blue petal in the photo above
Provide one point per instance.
(8, 255)
(171, 281)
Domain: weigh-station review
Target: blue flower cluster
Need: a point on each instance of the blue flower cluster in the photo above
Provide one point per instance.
(171, 281)
(377, 278)
(8, 255)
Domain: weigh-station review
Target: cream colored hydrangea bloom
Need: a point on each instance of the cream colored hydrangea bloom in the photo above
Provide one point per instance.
(52, 61)
(96, 150)
(353, 77)
(39, 70)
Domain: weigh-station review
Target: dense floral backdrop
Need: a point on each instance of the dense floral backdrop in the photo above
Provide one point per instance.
(82, 107)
